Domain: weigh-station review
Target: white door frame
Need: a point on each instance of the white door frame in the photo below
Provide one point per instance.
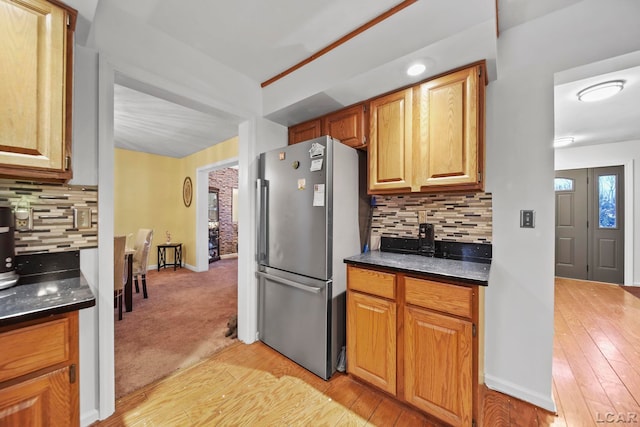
(202, 214)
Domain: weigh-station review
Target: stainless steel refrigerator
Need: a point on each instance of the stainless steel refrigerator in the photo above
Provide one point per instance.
(308, 223)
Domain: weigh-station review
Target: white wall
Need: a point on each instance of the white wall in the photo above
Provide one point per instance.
(620, 153)
(520, 169)
(85, 172)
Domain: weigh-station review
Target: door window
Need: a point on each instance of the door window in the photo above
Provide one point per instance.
(563, 184)
(607, 201)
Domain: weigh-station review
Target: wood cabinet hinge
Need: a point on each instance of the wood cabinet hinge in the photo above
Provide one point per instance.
(364, 140)
(474, 330)
(72, 373)
(67, 163)
(68, 21)
(479, 71)
(479, 176)
(473, 423)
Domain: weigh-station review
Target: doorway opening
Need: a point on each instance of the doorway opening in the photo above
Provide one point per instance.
(590, 224)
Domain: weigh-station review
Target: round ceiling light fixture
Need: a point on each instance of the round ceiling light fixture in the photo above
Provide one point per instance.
(563, 142)
(416, 69)
(601, 91)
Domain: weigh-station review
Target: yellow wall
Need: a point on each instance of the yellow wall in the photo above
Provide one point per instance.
(148, 194)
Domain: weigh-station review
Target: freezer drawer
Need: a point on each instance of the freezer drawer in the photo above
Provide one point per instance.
(294, 318)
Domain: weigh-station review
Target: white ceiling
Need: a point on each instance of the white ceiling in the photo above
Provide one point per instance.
(260, 39)
(611, 120)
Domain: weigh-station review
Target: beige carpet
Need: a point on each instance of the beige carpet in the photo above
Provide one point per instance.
(183, 321)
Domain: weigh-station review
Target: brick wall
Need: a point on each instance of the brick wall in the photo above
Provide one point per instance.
(225, 180)
(456, 217)
(52, 206)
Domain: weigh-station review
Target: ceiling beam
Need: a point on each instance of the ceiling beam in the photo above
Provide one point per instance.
(340, 41)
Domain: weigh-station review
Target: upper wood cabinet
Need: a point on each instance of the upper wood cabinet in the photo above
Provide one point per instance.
(430, 137)
(390, 142)
(449, 132)
(36, 89)
(346, 125)
(305, 131)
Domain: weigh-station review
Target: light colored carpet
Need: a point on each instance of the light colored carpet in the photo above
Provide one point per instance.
(182, 322)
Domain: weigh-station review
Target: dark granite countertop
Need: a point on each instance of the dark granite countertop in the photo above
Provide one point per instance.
(464, 271)
(36, 300)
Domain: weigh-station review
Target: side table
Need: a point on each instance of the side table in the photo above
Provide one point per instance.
(177, 255)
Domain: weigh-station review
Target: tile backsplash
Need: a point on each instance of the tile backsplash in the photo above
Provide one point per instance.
(52, 206)
(456, 217)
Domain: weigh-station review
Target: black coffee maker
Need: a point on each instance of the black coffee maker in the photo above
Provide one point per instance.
(8, 276)
(426, 240)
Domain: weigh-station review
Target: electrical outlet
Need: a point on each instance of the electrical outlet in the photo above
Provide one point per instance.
(422, 217)
(81, 217)
(23, 219)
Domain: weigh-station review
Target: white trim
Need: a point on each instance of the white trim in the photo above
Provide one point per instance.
(106, 362)
(512, 389)
(89, 417)
(202, 204)
(628, 207)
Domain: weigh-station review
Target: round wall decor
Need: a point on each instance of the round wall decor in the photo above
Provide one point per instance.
(187, 191)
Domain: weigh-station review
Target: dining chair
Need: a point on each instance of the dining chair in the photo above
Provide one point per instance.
(119, 271)
(141, 257)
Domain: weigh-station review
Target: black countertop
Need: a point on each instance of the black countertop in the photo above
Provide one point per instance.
(36, 300)
(465, 271)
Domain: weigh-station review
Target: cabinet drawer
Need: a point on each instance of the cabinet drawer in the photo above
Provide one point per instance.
(371, 282)
(452, 299)
(34, 347)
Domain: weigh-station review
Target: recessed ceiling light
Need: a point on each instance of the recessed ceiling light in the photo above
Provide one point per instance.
(416, 69)
(601, 91)
(563, 142)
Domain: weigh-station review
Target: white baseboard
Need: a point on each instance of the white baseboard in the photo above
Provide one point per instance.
(89, 417)
(507, 387)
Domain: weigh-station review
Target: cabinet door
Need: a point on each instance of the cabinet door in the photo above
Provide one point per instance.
(346, 125)
(305, 131)
(42, 401)
(390, 142)
(371, 340)
(450, 132)
(438, 365)
(32, 86)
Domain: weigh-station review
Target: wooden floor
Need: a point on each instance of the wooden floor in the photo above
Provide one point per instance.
(596, 378)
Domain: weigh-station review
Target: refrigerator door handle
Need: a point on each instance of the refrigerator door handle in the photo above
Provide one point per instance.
(262, 204)
(291, 283)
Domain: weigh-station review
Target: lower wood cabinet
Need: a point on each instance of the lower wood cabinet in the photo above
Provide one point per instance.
(372, 350)
(41, 401)
(438, 365)
(38, 372)
(415, 339)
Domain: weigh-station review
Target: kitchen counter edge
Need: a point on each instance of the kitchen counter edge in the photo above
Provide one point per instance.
(32, 301)
(473, 273)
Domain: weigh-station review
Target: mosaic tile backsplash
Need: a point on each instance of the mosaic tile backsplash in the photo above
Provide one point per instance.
(456, 217)
(52, 206)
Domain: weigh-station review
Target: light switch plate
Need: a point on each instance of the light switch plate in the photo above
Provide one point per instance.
(82, 217)
(527, 219)
(422, 217)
